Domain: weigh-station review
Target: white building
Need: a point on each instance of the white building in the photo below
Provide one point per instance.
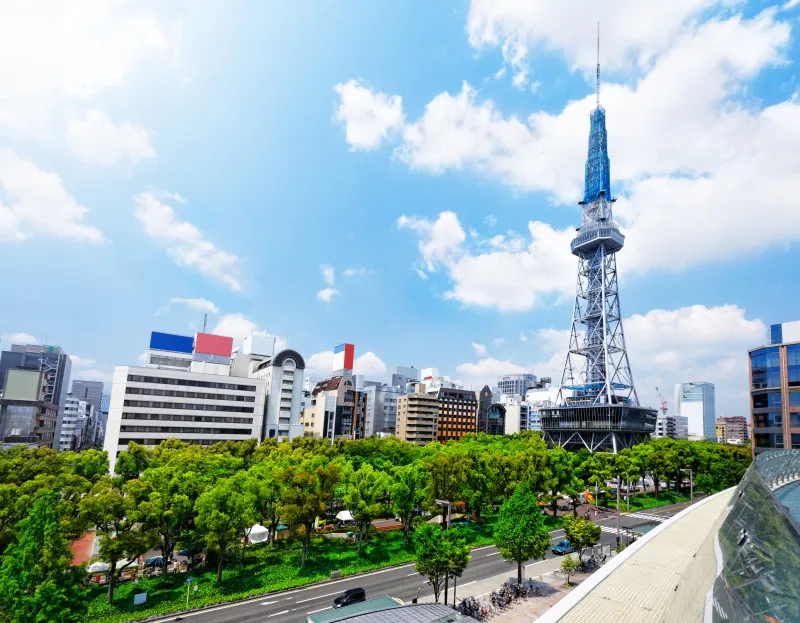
(283, 374)
(72, 408)
(381, 408)
(516, 384)
(673, 426)
(403, 375)
(695, 401)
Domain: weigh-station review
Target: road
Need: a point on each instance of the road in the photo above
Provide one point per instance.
(293, 606)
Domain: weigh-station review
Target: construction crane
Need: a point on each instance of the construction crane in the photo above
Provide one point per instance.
(664, 407)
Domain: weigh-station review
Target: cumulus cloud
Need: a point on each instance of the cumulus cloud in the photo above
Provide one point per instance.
(238, 326)
(36, 203)
(368, 364)
(480, 349)
(328, 274)
(19, 338)
(327, 294)
(358, 271)
(184, 242)
(198, 304)
(368, 117)
(96, 139)
(82, 362)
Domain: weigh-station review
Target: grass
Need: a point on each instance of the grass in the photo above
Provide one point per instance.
(649, 500)
(269, 568)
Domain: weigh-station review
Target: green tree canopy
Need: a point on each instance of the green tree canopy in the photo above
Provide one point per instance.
(581, 533)
(520, 533)
(363, 491)
(440, 554)
(408, 493)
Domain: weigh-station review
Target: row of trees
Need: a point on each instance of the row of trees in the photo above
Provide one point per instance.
(179, 495)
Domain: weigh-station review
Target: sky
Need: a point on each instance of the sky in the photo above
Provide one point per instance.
(403, 176)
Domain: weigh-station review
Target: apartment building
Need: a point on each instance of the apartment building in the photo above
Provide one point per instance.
(417, 416)
(458, 413)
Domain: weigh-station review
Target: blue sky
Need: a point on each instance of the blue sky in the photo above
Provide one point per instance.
(162, 161)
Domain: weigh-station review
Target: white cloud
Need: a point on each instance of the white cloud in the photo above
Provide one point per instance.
(82, 362)
(54, 54)
(358, 271)
(683, 130)
(96, 375)
(665, 347)
(18, 338)
(328, 273)
(36, 202)
(368, 117)
(185, 243)
(499, 341)
(480, 349)
(238, 326)
(95, 138)
(199, 304)
(368, 364)
(490, 221)
(523, 337)
(327, 294)
(790, 4)
(513, 276)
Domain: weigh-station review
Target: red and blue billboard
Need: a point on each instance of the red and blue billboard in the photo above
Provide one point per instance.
(210, 344)
(170, 342)
(343, 357)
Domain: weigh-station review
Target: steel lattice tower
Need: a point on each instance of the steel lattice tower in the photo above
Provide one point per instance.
(600, 408)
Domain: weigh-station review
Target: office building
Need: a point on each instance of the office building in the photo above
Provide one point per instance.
(202, 392)
(775, 393)
(403, 375)
(695, 401)
(484, 397)
(52, 362)
(381, 405)
(603, 410)
(458, 413)
(517, 414)
(336, 411)
(90, 391)
(66, 439)
(516, 384)
(27, 417)
(417, 416)
(495, 420)
(672, 426)
(732, 429)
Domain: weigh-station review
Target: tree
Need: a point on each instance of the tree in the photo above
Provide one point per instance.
(307, 491)
(520, 533)
(264, 483)
(448, 473)
(560, 477)
(581, 533)
(111, 512)
(224, 513)
(363, 490)
(132, 462)
(36, 582)
(481, 481)
(568, 566)
(408, 492)
(440, 554)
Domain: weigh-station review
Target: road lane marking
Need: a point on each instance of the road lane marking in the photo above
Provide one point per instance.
(318, 597)
(277, 614)
(267, 603)
(410, 574)
(320, 610)
(492, 554)
(477, 549)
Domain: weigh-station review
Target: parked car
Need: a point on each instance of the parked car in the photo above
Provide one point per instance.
(349, 597)
(563, 547)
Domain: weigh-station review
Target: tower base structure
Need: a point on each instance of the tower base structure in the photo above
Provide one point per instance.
(599, 427)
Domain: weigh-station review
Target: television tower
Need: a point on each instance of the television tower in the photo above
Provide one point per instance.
(597, 406)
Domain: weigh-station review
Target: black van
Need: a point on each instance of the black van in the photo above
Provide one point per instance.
(349, 597)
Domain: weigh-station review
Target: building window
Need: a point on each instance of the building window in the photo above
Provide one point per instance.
(765, 400)
(768, 420)
(794, 419)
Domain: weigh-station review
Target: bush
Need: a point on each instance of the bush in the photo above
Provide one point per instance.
(648, 500)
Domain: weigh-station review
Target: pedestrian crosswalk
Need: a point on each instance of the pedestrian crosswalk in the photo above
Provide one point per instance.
(611, 530)
(648, 517)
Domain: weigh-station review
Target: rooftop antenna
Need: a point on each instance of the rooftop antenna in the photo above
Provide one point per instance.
(598, 64)
(205, 321)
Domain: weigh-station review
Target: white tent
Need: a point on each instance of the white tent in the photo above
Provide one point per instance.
(97, 567)
(258, 534)
(344, 516)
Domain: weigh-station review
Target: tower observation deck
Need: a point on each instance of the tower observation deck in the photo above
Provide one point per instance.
(600, 410)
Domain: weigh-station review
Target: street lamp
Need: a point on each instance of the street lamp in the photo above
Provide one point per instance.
(691, 483)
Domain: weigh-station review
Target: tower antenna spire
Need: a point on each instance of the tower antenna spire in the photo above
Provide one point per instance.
(598, 64)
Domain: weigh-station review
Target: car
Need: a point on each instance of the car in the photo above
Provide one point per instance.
(349, 597)
(563, 547)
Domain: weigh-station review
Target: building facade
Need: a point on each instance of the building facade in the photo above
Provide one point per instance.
(381, 405)
(72, 407)
(458, 413)
(732, 429)
(90, 391)
(26, 418)
(403, 375)
(775, 394)
(417, 416)
(484, 397)
(516, 384)
(672, 426)
(336, 411)
(695, 401)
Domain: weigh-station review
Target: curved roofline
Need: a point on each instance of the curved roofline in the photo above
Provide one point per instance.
(289, 354)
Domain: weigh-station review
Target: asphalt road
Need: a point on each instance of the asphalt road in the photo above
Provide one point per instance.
(293, 606)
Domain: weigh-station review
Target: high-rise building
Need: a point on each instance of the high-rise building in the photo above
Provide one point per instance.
(417, 416)
(775, 393)
(90, 391)
(27, 417)
(55, 366)
(603, 409)
(695, 401)
(458, 413)
(673, 426)
(205, 395)
(66, 439)
(516, 384)
(336, 411)
(381, 403)
(484, 397)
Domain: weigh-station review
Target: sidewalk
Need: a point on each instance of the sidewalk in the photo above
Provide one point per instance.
(544, 573)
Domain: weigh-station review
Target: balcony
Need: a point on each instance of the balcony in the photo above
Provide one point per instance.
(592, 236)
